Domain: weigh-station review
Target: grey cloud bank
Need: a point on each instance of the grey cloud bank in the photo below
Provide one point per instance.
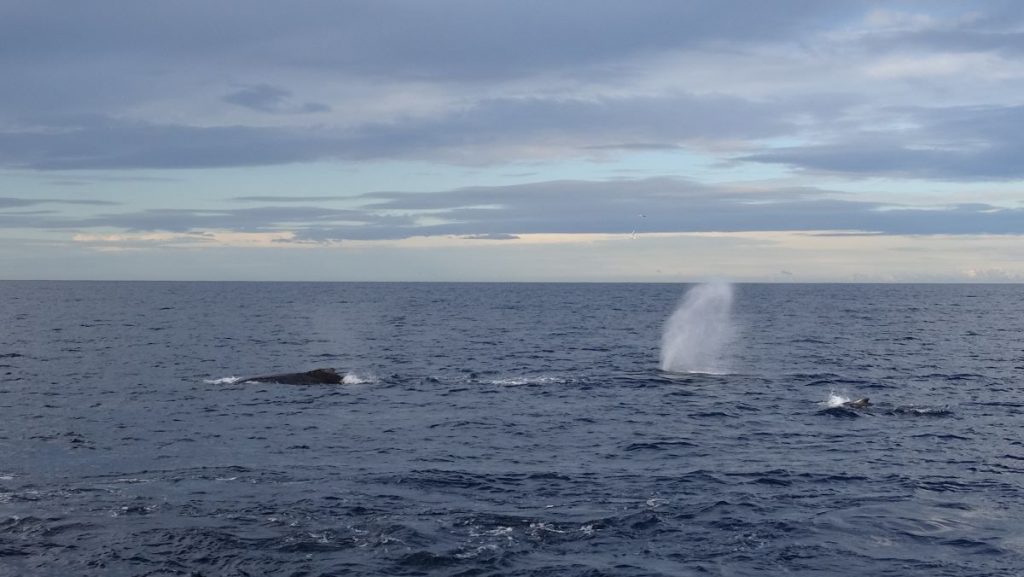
(560, 207)
(451, 39)
(125, 85)
(956, 143)
(11, 202)
(273, 100)
(97, 142)
(386, 120)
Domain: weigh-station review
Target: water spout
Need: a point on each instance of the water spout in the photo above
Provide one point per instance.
(696, 336)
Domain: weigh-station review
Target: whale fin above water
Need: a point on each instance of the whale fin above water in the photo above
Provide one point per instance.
(326, 376)
(858, 404)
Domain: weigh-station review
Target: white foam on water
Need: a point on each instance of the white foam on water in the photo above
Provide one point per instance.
(322, 538)
(655, 502)
(489, 548)
(538, 527)
(520, 381)
(836, 400)
(357, 379)
(223, 381)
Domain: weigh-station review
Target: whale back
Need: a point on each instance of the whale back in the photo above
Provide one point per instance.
(324, 376)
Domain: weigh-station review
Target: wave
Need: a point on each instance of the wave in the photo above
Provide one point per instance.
(351, 378)
(534, 380)
(223, 381)
(359, 379)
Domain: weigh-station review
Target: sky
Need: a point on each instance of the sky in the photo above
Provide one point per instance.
(512, 140)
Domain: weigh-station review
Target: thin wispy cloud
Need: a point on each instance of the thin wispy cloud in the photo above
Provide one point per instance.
(956, 143)
(633, 207)
(273, 100)
(13, 202)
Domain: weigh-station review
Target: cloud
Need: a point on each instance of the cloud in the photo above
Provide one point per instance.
(931, 65)
(657, 146)
(128, 62)
(272, 99)
(12, 202)
(114, 86)
(993, 275)
(209, 239)
(675, 205)
(16, 202)
(266, 198)
(84, 179)
(489, 131)
(468, 82)
(491, 237)
(389, 37)
(259, 219)
(995, 28)
(614, 207)
(953, 143)
(97, 142)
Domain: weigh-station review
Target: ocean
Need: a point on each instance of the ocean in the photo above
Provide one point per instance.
(511, 429)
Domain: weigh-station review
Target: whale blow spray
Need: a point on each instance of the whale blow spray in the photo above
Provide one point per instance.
(699, 330)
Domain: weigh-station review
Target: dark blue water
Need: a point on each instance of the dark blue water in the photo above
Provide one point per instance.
(506, 429)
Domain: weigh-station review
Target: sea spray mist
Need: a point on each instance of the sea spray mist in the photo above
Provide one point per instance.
(699, 332)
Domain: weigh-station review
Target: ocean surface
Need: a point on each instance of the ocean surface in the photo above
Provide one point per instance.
(511, 429)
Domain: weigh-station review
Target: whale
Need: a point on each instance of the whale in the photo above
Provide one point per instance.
(858, 404)
(315, 377)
